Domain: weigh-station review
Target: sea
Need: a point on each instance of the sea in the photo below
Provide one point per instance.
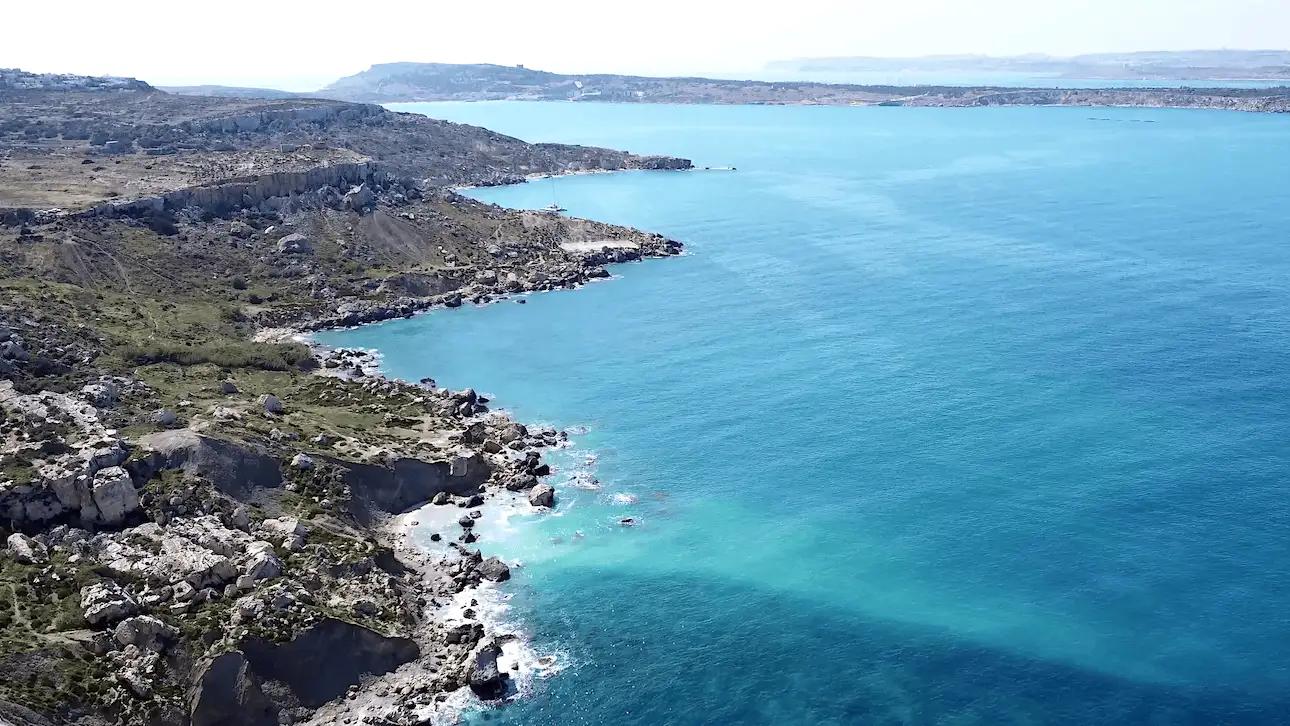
(946, 416)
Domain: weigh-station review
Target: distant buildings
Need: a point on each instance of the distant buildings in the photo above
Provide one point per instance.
(18, 80)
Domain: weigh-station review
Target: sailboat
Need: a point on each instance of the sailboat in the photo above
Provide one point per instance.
(553, 207)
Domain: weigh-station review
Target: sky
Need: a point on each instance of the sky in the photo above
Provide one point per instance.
(304, 45)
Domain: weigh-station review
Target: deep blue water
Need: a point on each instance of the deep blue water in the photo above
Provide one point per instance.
(950, 416)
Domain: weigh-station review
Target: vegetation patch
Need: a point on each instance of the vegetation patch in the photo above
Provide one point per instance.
(226, 354)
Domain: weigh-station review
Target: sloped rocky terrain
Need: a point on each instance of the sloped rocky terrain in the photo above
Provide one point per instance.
(196, 508)
(70, 149)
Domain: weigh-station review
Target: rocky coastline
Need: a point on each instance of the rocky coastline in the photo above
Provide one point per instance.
(202, 517)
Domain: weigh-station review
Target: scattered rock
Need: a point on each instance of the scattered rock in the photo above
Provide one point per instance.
(225, 413)
(271, 404)
(302, 462)
(228, 388)
(163, 417)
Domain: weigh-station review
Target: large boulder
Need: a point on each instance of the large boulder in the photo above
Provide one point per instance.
(485, 677)
(284, 527)
(163, 417)
(106, 602)
(27, 550)
(13, 351)
(114, 496)
(263, 563)
(145, 632)
(512, 432)
(493, 569)
(295, 244)
(359, 198)
(542, 495)
(271, 404)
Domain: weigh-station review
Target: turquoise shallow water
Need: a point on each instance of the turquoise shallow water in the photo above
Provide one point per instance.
(949, 417)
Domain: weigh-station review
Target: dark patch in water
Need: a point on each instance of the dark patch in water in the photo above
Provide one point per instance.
(683, 651)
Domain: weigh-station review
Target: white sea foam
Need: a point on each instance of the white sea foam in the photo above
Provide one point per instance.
(525, 662)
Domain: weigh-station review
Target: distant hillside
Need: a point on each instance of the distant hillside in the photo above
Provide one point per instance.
(1150, 65)
(231, 92)
(445, 82)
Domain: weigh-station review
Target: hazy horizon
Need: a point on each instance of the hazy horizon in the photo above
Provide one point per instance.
(291, 46)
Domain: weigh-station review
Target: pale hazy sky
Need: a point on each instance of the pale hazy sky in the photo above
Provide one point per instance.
(303, 45)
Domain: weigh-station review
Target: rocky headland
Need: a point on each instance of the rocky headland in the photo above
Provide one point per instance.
(199, 512)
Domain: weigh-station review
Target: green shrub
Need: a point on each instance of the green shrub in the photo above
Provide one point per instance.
(264, 356)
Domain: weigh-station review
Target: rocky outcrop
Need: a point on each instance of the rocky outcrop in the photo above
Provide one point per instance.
(145, 632)
(268, 192)
(76, 470)
(107, 602)
(113, 495)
